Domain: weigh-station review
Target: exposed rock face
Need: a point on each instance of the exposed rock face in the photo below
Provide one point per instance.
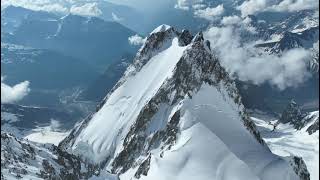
(314, 127)
(293, 115)
(185, 38)
(14, 154)
(143, 168)
(22, 159)
(314, 63)
(300, 168)
(292, 40)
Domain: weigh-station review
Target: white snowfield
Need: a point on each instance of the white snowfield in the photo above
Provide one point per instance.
(286, 141)
(212, 143)
(46, 136)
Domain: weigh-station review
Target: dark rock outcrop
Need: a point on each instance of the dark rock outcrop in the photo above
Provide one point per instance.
(293, 115)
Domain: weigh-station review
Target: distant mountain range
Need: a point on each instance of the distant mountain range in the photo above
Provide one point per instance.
(61, 56)
(90, 39)
(43, 47)
(294, 30)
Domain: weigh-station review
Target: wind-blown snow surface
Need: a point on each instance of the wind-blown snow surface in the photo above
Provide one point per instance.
(214, 144)
(212, 140)
(286, 141)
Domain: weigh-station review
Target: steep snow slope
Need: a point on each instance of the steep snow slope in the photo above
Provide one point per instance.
(286, 141)
(205, 149)
(176, 114)
(126, 102)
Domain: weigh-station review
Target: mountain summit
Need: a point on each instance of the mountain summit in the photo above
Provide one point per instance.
(176, 114)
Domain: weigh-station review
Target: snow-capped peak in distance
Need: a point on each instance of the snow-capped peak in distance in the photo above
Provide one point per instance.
(161, 28)
(177, 114)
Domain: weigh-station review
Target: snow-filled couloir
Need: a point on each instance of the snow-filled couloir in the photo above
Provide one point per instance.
(176, 114)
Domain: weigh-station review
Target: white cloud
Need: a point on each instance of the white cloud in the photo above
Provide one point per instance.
(247, 20)
(84, 8)
(200, 9)
(246, 24)
(54, 125)
(136, 40)
(188, 4)
(249, 7)
(241, 23)
(295, 5)
(252, 6)
(37, 5)
(209, 13)
(229, 20)
(199, 6)
(243, 61)
(87, 9)
(15, 93)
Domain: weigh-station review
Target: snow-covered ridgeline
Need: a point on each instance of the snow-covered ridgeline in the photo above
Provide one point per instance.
(156, 110)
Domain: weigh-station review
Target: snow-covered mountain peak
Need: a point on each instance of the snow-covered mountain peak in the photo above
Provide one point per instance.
(198, 37)
(167, 119)
(161, 28)
(155, 42)
(159, 40)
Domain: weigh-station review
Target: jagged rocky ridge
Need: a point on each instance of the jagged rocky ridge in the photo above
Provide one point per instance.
(290, 40)
(294, 115)
(24, 159)
(314, 126)
(131, 145)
